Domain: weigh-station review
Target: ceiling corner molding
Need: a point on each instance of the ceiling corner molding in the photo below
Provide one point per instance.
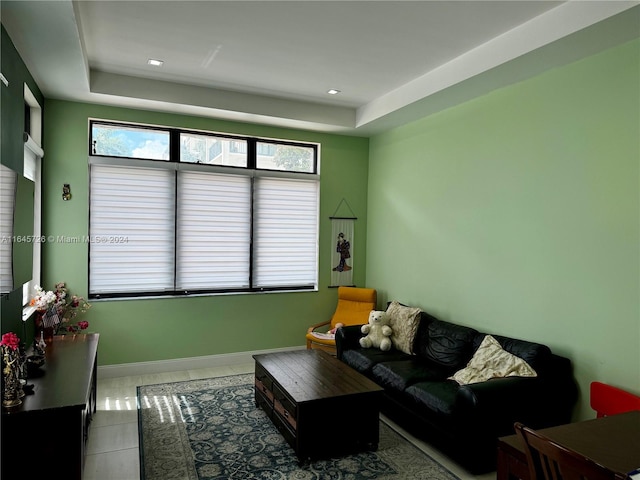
(80, 39)
(549, 27)
(241, 104)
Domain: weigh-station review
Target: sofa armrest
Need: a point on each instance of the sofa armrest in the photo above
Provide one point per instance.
(539, 402)
(559, 379)
(347, 338)
(495, 405)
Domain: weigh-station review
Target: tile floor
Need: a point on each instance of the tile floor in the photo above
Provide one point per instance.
(112, 449)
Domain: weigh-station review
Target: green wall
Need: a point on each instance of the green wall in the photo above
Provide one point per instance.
(168, 328)
(12, 126)
(12, 117)
(518, 213)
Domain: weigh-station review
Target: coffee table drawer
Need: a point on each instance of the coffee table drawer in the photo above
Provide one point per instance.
(284, 413)
(265, 405)
(264, 391)
(282, 397)
(264, 377)
(284, 429)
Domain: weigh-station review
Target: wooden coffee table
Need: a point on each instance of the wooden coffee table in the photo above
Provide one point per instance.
(321, 406)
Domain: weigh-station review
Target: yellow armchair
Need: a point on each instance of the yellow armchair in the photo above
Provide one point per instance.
(354, 306)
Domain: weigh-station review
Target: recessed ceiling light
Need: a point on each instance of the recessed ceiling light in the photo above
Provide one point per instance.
(333, 91)
(155, 63)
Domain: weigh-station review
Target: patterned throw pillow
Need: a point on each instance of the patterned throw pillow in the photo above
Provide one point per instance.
(492, 361)
(404, 323)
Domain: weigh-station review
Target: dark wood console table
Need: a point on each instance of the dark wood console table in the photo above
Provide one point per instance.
(611, 441)
(45, 437)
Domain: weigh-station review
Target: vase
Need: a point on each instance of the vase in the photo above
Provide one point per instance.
(44, 330)
(10, 379)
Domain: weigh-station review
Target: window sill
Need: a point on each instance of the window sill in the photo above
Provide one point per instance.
(27, 312)
(196, 295)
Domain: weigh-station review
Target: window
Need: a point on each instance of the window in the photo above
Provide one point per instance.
(218, 214)
(33, 155)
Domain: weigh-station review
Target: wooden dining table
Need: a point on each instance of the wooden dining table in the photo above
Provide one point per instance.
(612, 441)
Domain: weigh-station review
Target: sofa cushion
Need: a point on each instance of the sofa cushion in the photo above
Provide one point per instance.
(363, 359)
(438, 397)
(491, 361)
(400, 374)
(404, 323)
(448, 344)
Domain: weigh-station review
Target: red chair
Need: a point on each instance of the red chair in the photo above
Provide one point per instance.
(607, 400)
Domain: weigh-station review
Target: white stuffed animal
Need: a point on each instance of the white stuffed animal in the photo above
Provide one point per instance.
(377, 331)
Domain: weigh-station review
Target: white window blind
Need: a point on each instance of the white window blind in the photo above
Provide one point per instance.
(132, 229)
(285, 232)
(7, 200)
(213, 231)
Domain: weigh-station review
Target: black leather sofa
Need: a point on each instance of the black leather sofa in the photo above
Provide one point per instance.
(462, 421)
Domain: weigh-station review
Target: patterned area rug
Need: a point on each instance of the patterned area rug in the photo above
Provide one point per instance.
(211, 430)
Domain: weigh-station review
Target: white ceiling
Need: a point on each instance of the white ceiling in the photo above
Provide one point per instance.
(273, 61)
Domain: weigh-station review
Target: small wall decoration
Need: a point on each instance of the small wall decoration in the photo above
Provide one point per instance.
(342, 254)
(66, 192)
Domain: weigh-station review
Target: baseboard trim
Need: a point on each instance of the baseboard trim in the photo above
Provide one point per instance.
(178, 364)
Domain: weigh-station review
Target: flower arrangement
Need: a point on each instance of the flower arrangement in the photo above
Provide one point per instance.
(43, 300)
(66, 307)
(10, 340)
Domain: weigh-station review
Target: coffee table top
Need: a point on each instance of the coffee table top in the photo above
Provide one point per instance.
(308, 375)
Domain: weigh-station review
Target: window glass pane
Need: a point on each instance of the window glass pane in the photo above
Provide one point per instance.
(214, 231)
(131, 229)
(132, 142)
(288, 158)
(238, 146)
(213, 150)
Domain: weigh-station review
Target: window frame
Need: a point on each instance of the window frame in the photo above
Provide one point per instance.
(174, 163)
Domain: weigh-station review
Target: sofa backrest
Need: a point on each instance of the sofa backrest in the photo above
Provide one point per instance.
(452, 346)
(422, 334)
(445, 343)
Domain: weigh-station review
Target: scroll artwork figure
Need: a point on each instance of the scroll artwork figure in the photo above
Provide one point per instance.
(342, 248)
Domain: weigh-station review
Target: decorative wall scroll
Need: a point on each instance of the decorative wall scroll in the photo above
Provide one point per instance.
(342, 254)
